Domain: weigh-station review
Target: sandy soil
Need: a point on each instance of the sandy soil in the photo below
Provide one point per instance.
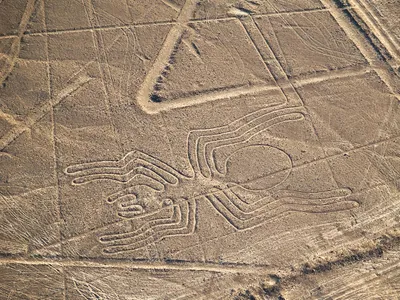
(193, 149)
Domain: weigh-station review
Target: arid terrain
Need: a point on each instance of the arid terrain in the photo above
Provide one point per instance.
(200, 149)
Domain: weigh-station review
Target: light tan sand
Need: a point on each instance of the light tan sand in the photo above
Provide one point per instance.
(192, 149)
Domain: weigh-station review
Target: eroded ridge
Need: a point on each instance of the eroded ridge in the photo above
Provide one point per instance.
(366, 11)
(164, 201)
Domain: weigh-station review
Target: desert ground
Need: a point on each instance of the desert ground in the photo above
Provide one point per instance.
(200, 149)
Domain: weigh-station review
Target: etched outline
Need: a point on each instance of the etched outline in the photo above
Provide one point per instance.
(177, 217)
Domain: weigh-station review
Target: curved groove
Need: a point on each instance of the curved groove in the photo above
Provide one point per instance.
(118, 167)
(245, 137)
(194, 135)
(229, 134)
(182, 226)
(237, 134)
(243, 220)
(122, 178)
(130, 190)
(145, 230)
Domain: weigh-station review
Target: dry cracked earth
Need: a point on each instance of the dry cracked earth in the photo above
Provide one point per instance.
(199, 149)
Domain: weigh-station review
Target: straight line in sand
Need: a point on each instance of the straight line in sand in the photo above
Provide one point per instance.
(203, 97)
(365, 11)
(332, 75)
(15, 48)
(37, 115)
(363, 46)
(137, 265)
(232, 92)
(155, 23)
(174, 35)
